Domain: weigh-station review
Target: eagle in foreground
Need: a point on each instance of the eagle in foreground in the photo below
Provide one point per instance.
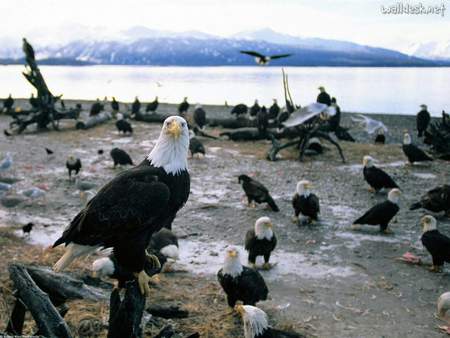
(256, 324)
(435, 200)
(260, 241)
(263, 60)
(305, 202)
(239, 282)
(413, 152)
(135, 204)
(437, 244)
(382, 213)
(256, 192)
(376, 177)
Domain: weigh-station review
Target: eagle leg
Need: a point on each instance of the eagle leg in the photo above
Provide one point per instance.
(435, 268)
(153, 260)
(143, 279)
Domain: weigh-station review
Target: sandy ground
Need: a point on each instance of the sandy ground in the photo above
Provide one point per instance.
(329, 281)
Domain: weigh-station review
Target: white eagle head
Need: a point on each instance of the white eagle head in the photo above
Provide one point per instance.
(428, 223)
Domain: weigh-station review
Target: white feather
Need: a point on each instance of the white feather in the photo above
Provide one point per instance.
(103, 267)
(255, 321)
(170, 251)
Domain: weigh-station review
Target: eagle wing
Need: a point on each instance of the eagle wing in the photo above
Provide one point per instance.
(128, 204)
(279, 56)
(381, 213)
(252, 53)
(249, 239)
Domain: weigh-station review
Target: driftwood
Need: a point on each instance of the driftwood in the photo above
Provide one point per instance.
(94, 120)
(166, 332)
(150, 117)
(15, 324)
(245, 134)
(167, 311)
(48, 319)
(232, 123)
(125, 316)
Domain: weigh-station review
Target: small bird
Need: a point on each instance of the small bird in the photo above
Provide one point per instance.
(49, 151)
(413, 152)
(305, 202)
(183, 106)
(261, 59)
(26, 229)
(274, 110)
(152, 106)
(100, 152)
(239, 282)
(435, 200)
(6, 162)
(256, 192)
(239, 109)
(122, 125)
(437, 244)
(254, 110)
(260, 241)
(73, 164)
(195, 146)
(199, 116)
(382, 213)
(120, 157)
(376, 177)
(256, 324)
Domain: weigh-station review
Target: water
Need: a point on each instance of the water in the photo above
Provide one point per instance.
(368, 90)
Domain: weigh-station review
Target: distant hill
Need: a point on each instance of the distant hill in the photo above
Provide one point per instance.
(144, 46)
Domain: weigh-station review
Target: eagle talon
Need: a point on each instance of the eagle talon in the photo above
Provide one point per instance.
(387, 231)
(435, 268)
(153, 260)
(143, 279)
(267, 266)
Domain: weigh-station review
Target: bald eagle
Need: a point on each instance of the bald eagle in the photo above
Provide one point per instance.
(260, 241)
(73, 164)
(239, 282)
(152, 106)
(261, 59)
(305, 202)
(274, 110)
(200, 116)
(183, 106)
(135, 204)
(435, 200)
(376, 177)
(256, 324)
(254, 110)
(122, 125)
(240, 109)
(382, 213)
(437, 244)
(256, 192)
(120, 157)
(413, 152)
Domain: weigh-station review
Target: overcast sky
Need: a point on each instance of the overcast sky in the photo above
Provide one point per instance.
(360, 21)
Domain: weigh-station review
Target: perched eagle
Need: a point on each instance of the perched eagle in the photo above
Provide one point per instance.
(260, 241)
(435, 200)
(382, 213)
(200, 116)
(183, 106)
(240, 109)
(256, 192)
(263, 60)
(437, 244)
(239, 282)
(376, 177)
(256, 324)
(120, 157)
(305, 202)
(152, 106)
(135, 204)
(413, 152)
(274, 110)
(73, 164)
(254, 110)
(122, 125)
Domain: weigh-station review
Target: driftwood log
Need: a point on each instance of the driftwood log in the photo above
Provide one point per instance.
(150, 117)
(49, 321)
(167, 311)
(95, 120)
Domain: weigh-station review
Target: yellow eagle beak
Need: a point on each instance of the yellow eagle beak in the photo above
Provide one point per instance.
(269, 225)
(174, 129)
(239, 309)
(233, 254)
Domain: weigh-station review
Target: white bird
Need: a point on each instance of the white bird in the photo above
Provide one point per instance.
(370, 125)
(6, 163)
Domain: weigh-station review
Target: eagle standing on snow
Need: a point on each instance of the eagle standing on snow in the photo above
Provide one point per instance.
(382, 213)
(376, 177)
(260, 241)
(305, 202)
(437, 244)
(135, 204)
(239, 282)
(256, 192)
(435, 200)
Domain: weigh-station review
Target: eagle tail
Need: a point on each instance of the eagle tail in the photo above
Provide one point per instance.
(272, 204)
(415, 206)
(73, 251)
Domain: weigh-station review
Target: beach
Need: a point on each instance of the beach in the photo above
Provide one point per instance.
(328, 281)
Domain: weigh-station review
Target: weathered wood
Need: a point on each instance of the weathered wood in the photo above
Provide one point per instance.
(48, 320)
(150, 117)
(94, 120)
(125, 316)
(245, 134)
(15, 324)
(167, 311)
(166, 332)
(232, 123)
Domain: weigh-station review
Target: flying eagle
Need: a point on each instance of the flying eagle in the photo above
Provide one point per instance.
(135, 204)
(261, 59)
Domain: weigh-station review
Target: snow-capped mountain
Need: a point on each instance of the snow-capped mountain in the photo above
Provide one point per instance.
(433, 50)
(144, 46)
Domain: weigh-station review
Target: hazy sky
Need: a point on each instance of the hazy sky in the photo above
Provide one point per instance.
(360, 21)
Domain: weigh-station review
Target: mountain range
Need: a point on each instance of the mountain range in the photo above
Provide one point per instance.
(143, 46)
